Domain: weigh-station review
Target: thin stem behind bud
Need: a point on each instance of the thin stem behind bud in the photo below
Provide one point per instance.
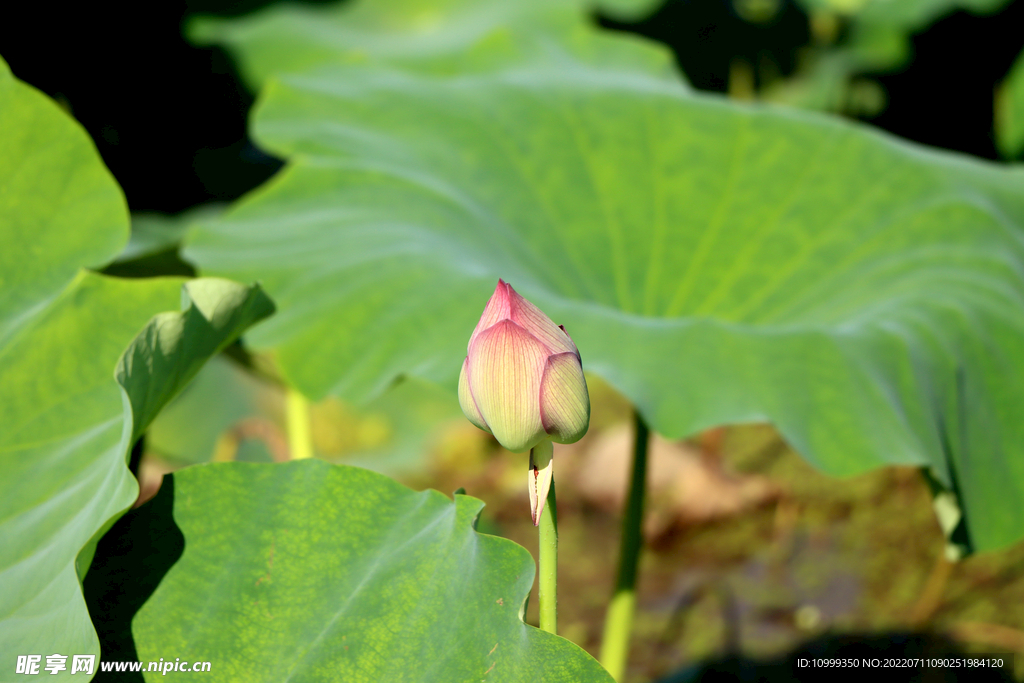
(547, 600)
(618, 624)
(300, 440)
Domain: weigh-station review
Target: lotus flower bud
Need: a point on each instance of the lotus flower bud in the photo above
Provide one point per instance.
(522, 379)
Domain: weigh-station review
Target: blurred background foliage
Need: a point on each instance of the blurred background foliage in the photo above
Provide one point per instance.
(753, 551)
(169, 118)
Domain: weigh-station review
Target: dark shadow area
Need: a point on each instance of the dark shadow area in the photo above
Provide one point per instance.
(135, 455)
(168, 118)
(130, 561)
(946, 95)
(895, 647)
(166, 262)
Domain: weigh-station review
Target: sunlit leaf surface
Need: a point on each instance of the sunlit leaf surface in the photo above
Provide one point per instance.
(307, 571)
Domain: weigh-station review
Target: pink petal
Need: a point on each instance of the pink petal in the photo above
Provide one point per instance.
(533, 320)
(504, 375)
(467, 401)
(496, 310)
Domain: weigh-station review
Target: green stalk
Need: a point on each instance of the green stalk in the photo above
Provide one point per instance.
(300, 437)
(547, 593)
(618, 623)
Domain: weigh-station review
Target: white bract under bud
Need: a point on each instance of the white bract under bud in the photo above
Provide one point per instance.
(522, 379)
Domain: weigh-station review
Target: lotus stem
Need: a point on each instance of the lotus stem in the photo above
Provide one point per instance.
(618, 623)
(300, 438)
(547, 526)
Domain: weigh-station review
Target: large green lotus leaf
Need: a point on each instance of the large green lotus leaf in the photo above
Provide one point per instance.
(51, 180)
(450, 36)
(716, 263)
(306, 571)
(1009, 111)
(68, 427)
(67, 422)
